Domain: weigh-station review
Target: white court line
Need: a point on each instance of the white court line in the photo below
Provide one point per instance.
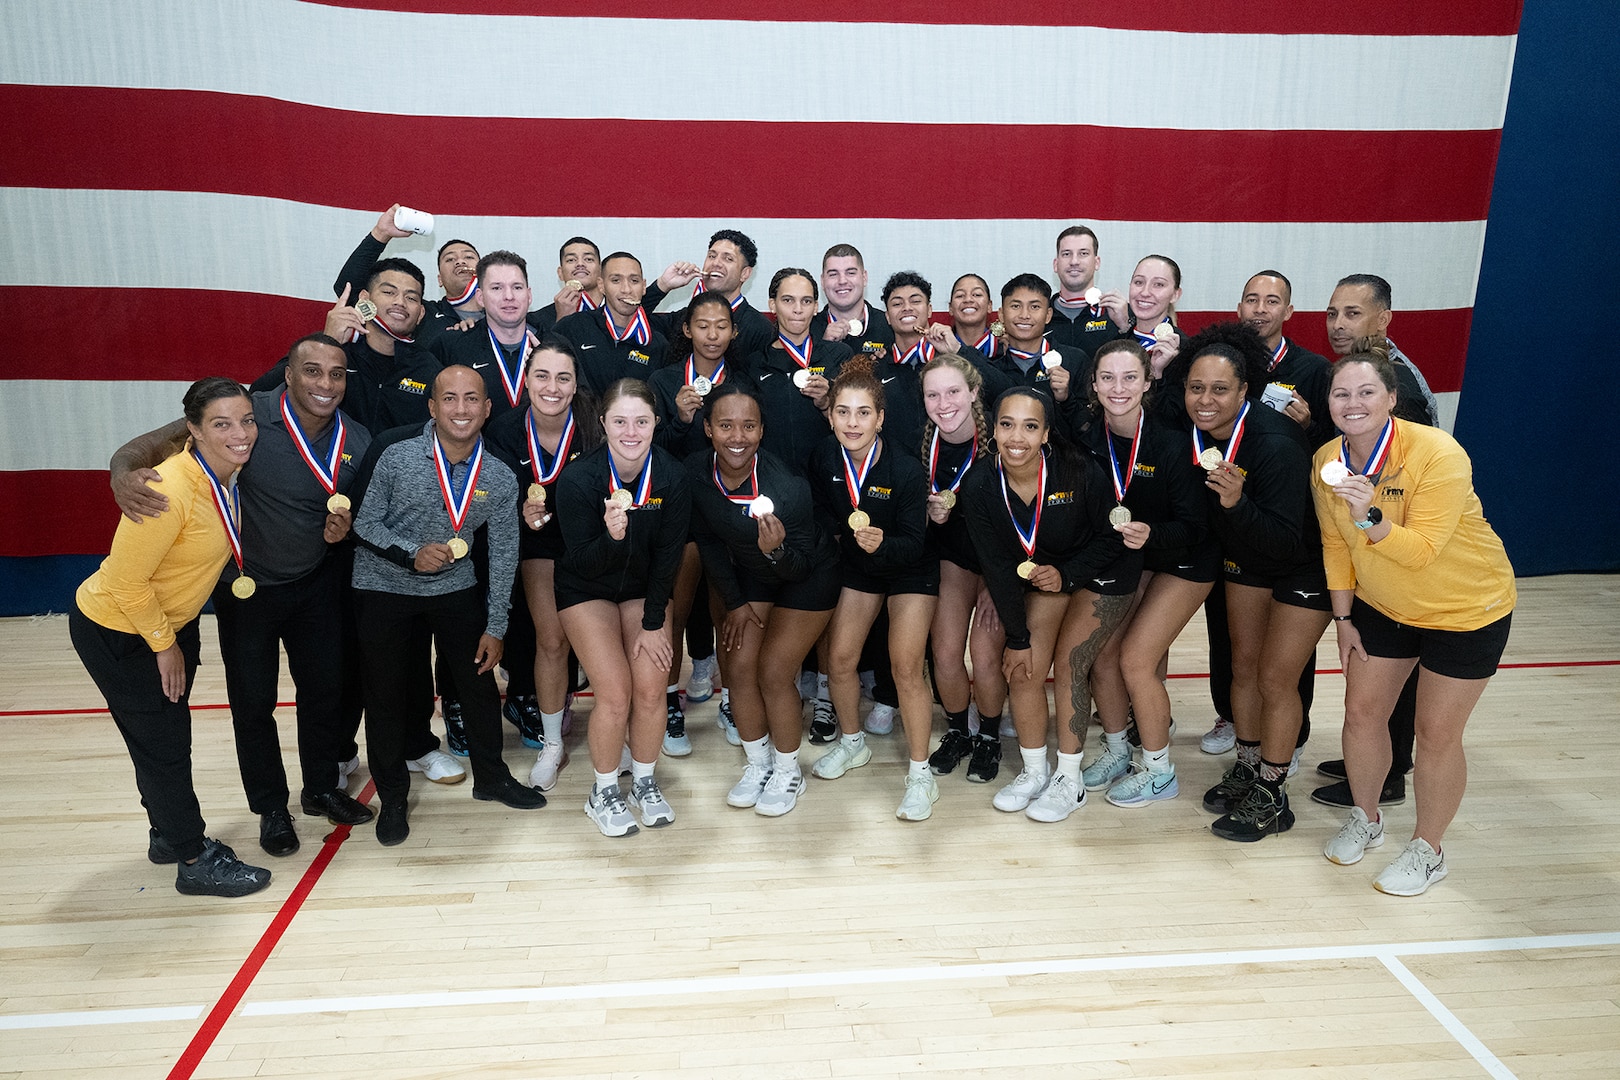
(90, 1017)
(1448, 1020)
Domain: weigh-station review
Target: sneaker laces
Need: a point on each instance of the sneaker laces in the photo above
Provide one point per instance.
(1256, 805)
(780, 782)
(612, 800)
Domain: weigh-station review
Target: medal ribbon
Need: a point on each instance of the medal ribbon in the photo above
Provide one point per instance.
(716, 379)
(1046, 347)
(230, 509)
(1277, 354)
(1123, 483)
(637, 328)
(753, 482)
(325, 472)
(587, 304)
(961, 472)
(456, 504)
(986, 344)
(1379, 455)
(922, 352)
(800, 353)
(1232, 443)
(467, 294)
(1027, 540)
(544, 473)
(512, 381)
(1077, 301)
(397, 337)
(853, 480)
(643, 486)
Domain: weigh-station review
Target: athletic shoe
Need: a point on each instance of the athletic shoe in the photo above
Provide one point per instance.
(1353, 840)
(158, 850)
(455, 727)
(1025, 789)
(840, 759)
(439, 767)
(676, 743)
(547, 764)
(523, 713)
(986, 760)
(1009, 730)
(609, 811)
(880, 721)
(347, 769)
(1143, 786)
(1293, 762)
(1392, 794)
(746, 792)
(700, 684)
(1418, 867)
(953, 747)
(650, 803)
(921, 795)
(1061, 798)
(218, 872)
(1110, 766)
(781, 793)
(1132, 735)
(823, 723)
(1262, 812)
(725, 723)
(1220, 738)
(1235, 784)
(1333, 770)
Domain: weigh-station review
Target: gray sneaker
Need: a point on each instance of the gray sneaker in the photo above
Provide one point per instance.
(608, 809)
(650, 803)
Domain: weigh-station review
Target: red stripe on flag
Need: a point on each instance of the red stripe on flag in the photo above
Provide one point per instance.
(96, 137)
(1388, 17)
(71, 512)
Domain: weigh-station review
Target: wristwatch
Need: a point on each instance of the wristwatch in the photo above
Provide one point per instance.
(1374, 517)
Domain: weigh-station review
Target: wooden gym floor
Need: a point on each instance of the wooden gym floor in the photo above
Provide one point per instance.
(835, 942)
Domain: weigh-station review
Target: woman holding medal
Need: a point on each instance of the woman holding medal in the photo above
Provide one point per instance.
(1148, 313)
(535, 443)
(1039, 520)
(776, 571)
(134, 625)
(1418, 578)
(793, 377)
(1258, 498)
(623, 509)
(955, 446)
(1159, 510)
(878, 498)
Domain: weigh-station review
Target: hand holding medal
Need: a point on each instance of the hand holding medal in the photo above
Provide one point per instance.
(533, 511)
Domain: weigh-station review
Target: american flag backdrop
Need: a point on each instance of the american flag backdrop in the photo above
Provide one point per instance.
(181, 182)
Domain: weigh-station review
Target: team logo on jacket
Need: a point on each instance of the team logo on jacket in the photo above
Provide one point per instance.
(1144, 471)
(1060, 498)
(411, 386)
(638, 357)
(878, 492)
(1096, 324)
(480, 494)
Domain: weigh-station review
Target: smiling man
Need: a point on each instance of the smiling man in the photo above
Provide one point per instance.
(579, 272)
(457, 260)
(727, 266)
(843, 283)
(616, 340)
(497, 345)
(1299, 375)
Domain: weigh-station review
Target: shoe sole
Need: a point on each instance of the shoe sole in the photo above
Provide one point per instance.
(1226, 748)
(629, 830)
(861, 758)
(229, 894)
(1078, 803)
(334, 821)
(927, 813)
(772, 812)
(1378, 843)
(673, 748)
(731, 800)
(415, 768)
(1278, 826)
(485, 796)
(1108, 783)
(1347, 805)
(658, 822)
(1439, 875)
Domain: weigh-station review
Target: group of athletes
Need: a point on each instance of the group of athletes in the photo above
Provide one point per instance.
(1045, 482)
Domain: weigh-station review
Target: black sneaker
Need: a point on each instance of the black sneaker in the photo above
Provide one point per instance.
(1239, 778)
(218, 872)
(823, 723)
(276, 833)
(523, 713)
(953, 747)
(986, 760)
(1394, 793)
(1263, 811)
(455, 728)
(158, 850)
(1333, 770)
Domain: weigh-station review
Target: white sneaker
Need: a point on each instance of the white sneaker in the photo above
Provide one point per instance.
(700, 684)
(880, 721)
(1418, 867)
(1061, 798)
(1024, 789)
(746, 792)
(781, 793)
(547, 764)
(438, 767)
(1111, 766)
(345, 770)
(1009, 730)
(650, 803)
(609, 811)
(840, 759)
(1220, 738)
(1353, 840)
(921, 795)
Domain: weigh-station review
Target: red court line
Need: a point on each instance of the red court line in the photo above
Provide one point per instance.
(228, 1001)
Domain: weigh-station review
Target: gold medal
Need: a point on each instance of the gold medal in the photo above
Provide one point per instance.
(458, 547)
(1119, 515)
(537, 493)
(947, 499)
(859, 519)
(366, 310)
(243, 587)
(1026, 568)
(336, 503)
(1210, 459)
(622, 498)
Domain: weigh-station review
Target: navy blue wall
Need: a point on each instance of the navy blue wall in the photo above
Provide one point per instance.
(1540, 407)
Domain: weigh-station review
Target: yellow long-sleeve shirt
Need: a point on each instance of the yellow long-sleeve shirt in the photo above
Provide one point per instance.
(1441, 567)
(160, 572)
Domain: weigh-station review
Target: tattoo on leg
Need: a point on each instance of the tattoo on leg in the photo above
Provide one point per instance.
(1110, 612)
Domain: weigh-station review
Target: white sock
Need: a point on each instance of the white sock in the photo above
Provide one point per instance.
(917, 768)
(551, 727)
(1035, 761)
(641, 770)
(855, 741)
(605, 780)
(672, 689)
(1115, 740)
(758, 751)
(1157, 760)
(1069, 765)
(787, 761)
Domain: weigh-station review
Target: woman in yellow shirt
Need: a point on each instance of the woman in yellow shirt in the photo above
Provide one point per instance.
(1417, 576)
(134, 625)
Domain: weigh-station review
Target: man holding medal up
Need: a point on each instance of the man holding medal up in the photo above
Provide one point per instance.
(427, 495)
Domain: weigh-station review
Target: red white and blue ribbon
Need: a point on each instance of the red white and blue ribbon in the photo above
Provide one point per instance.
(587, 304)
(1026, 540)
(961, 471)
(457, 501)
(986, 344)
(1076, 301)
(800, 353)
(922, 353)
(691, 375)
(229, 505)
(466, 297)
(701, 287)
(511, 381)
(1123, 483)
(379, 324)
(1040, 367)
(1231, 444)
(544, 473)
(855, 480)
(1148, 340)
(1277, 354)
(643, 487)
(326, 472)
(637, 327)
(746, 498)
(1379, 455)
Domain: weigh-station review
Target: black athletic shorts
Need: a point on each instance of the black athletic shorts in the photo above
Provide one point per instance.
(1456, 654)
(1303, 588)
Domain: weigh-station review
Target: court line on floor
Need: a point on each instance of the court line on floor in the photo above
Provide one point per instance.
(1448, 1019)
